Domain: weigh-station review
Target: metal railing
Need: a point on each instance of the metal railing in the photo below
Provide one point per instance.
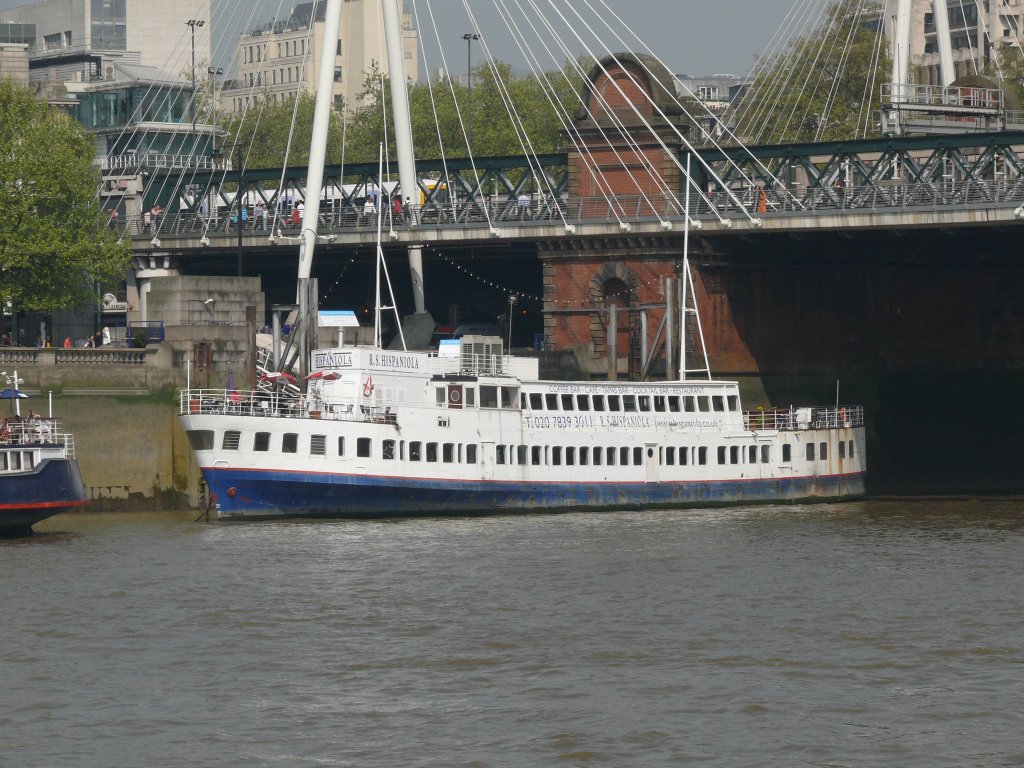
(35, 430)
(882, 197)
(805, 418)
(106, 355)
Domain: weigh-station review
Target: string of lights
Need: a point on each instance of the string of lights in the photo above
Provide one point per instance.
(566, 302)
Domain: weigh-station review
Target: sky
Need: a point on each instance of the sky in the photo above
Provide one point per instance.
(695, 37)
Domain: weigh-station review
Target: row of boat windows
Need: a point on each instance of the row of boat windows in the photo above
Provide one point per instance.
(504, 397)
(537, 455)
(17, 461)
(549, 401)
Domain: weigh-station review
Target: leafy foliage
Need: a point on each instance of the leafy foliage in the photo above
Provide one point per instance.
(52, 237)
(825, 85)
(439, 112)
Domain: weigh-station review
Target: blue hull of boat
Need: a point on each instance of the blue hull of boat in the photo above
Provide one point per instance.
(263, 494)
(54, 486)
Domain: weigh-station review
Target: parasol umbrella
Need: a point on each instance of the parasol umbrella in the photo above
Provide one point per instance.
(276, 376)
(13, 394)
(325, 375)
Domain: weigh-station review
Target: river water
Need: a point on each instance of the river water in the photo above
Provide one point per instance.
(880, 633)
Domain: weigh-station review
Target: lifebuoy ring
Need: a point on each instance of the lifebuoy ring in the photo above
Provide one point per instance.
(454, 396)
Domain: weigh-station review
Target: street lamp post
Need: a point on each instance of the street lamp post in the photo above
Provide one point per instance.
(193, 23)
(214, 73)
(469, 37)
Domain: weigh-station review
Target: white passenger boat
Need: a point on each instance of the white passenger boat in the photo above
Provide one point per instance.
(404, 433)
(378, 432)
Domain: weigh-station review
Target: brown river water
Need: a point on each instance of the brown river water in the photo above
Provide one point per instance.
(879, 633)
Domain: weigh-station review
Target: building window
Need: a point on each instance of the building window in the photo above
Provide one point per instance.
(337, 74)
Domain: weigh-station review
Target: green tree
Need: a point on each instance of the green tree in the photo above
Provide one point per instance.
(825, 85)
(53, 240)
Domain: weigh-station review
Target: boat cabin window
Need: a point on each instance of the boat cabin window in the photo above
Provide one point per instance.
(536, 401)
(721, 454)
(567, 403)
(787, 453)
(448, 453)
(551, 401)
(230, 440)
(842, 449)
(823, 451)
(702, 455)
(509, 397)
(629, 403)
(363, 445)
(582, 403)
(556, 455)
(734, 454)
(341, 446)
(387, 450)
(610, 457)
(673, 403)
(499, 454)
(570, 456)
(718, 403)
(488, 396)
(690, 404)
(734, 403)
(702, 403)
(471, 453)
(766, 454)
(261, 441)
(614, 404)
(200, 439)
(289, 443)
(752, 455)
(598, 401)
(638, 456)
(318, 445)
(521, 454)
(469, 397)
(809, 449)
(623, 456)
(16, 460)
(644, 402)
(850, 452)
(659, 403)
(535, 455)
(684, 455)
(670, 455)
(597, 457)
(431, 451)
(415, 448)
(584, 456)
(3, 460)
(440, 396)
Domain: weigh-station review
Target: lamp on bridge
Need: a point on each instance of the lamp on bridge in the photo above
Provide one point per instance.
(214, 73)
(193, 23)
(469, 37)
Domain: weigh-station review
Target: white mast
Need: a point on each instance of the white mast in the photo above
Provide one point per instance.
(403, 135)
(901, 47)
(946, 69)
(315, 176)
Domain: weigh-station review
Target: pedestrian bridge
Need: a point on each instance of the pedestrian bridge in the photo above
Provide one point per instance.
(900, 182)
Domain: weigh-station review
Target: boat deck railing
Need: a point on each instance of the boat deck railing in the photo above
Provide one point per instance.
(236, 402)
(35, 431)
(791, 419)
